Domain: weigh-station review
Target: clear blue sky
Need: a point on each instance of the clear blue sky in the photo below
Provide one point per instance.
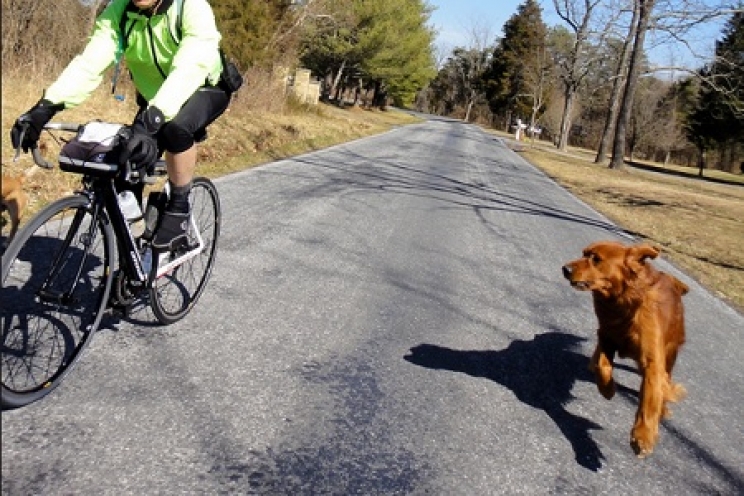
(457, 19)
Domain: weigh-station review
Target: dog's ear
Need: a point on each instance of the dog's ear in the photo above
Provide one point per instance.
(635, 257)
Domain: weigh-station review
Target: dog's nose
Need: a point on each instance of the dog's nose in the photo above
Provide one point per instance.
(567, 272)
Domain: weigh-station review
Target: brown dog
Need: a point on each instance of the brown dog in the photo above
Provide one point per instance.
(14, 200)
(640, 316)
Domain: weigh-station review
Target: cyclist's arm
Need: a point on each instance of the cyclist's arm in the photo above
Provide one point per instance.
(85, 72)
(196, 61)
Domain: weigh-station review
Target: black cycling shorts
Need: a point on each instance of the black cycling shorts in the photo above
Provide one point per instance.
(190, 124)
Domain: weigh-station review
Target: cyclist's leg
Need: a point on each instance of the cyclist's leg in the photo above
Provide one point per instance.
(178, 138)
(183, 274)
(56, 276)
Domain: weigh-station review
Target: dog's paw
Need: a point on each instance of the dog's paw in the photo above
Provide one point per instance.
(642, 440)
(640, 448)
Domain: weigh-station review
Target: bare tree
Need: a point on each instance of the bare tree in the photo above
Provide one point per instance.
(475, 62)
(675, 20)
(618, 88)
(649, 118)
(645, 9)
(538, 82)
(574, 67)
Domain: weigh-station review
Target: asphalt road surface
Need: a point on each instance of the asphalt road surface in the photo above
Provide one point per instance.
(385, 317)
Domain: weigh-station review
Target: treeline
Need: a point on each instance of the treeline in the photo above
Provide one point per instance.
(376, 52)
(585, 82)
(588, 82)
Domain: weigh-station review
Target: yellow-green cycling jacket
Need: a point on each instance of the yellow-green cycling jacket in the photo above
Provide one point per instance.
(152, 46)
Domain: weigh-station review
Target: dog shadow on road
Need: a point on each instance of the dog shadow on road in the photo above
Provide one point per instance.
(540, 373)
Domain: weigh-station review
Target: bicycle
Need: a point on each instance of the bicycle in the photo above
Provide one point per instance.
(58, 272)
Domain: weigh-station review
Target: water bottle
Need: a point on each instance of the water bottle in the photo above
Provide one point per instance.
(132, 212)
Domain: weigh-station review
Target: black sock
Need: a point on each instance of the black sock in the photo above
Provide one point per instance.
(178, 201)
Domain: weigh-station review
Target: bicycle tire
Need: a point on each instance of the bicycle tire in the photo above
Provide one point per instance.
(44, 334)
(175, 293)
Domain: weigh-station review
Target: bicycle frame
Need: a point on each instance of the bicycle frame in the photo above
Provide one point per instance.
(101, 192)
(130, 260)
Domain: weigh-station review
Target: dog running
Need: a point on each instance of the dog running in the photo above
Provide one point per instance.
(641, 316)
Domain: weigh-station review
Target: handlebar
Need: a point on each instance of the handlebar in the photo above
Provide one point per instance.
(158, 169)
(35, 153)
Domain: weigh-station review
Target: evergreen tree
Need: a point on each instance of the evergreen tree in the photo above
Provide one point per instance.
(717, 120)
(328, 46)
(249, 29)
(522, 47)
(398, 48)
(385, 42)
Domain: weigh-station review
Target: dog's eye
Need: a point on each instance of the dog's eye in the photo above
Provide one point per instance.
(595, 258)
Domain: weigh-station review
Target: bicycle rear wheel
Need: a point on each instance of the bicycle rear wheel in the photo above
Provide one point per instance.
(56, 277)
(174, 294)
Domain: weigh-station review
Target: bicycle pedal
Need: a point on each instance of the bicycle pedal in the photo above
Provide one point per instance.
(176, 247)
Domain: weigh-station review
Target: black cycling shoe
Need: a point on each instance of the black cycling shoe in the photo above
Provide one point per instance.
(171, 233)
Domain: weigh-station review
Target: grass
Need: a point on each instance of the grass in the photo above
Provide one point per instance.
(699, 223)
(243, 137)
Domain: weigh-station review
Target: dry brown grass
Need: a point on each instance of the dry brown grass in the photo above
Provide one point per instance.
(699, 224)
(259, 127)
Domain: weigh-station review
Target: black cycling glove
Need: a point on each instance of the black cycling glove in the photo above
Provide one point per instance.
(142, 148)
(33, 121)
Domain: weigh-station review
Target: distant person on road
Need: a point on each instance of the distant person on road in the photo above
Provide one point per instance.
(171, 48)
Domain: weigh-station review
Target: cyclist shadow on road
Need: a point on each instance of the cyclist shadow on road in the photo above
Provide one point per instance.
(541, 373)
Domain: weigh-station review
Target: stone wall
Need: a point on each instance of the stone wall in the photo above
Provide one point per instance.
(303, 88)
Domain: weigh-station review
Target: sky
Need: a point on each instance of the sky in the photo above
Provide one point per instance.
(456, 20)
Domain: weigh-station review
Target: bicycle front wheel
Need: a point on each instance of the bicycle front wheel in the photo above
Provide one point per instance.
(174, 294)
(56, 277)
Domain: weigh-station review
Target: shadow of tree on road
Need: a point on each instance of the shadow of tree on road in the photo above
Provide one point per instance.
(541, 373)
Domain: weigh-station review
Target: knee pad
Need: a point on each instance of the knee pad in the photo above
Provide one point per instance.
(175, 138)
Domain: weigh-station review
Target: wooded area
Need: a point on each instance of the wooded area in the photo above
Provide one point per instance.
(588, 82)
(585, 82)
(376, 52)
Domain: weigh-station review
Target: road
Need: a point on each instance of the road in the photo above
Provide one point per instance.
(387, 316)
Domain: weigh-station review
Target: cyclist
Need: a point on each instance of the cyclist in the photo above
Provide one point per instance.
(171, 48)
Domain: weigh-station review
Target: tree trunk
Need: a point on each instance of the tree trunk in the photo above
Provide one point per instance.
(358, 92)
(618, 87)
(701, 162)
(566, 119)
(337, 79)
(471, 101)
(380, 96)
(618, 149)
